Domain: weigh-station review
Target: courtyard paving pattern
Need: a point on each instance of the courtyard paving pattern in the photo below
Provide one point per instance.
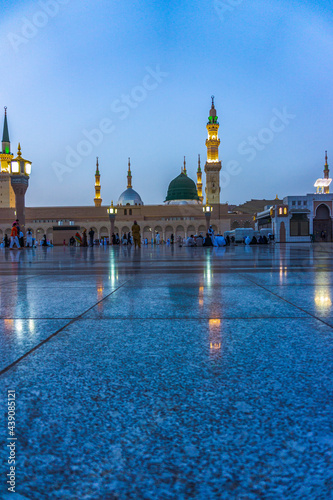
(168, 373)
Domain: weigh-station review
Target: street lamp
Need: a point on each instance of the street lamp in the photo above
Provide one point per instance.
(112, 211)
(207, 210)
(20, 170)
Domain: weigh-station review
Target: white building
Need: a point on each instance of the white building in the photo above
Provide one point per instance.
(298, 218)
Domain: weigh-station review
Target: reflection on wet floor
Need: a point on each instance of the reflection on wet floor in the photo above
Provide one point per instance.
(170, 372)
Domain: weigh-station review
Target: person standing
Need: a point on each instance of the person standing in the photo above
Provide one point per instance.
(29, 238)
(136, 234)
(84, 238)
(21, 239)
(158, 238)
(91, 237)
(14, 238)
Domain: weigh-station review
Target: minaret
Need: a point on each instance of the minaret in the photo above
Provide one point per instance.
(97, 199)
(5, 136)
(19, 182)
(184, 171)
(7, 195)
(199, 181)
(326, 174)
(129, 174)
(213, 165)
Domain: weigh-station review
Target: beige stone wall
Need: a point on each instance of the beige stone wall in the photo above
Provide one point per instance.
(7, 195)
(182, 220)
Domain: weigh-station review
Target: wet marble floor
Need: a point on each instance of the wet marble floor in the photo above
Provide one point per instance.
(168, 373)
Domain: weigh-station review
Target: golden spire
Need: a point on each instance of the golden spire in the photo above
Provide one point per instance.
(129, 174)
(199, 181)
(97, 199)
(19, 150)
(326, 174)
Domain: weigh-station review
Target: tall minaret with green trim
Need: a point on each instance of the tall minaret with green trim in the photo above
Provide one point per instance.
(7, 195)
(213, 164)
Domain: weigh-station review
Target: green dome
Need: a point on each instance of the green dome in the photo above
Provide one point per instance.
(182, 188)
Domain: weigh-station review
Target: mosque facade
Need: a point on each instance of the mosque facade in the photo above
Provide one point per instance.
(180, 213)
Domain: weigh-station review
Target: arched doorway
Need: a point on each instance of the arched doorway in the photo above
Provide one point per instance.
(180, 231)
(168, 232)
(282, 233)
(322, 224)
(147, 232)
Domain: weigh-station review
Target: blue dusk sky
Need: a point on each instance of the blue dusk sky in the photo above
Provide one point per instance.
(134, 79)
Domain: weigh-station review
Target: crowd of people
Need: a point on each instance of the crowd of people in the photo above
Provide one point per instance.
(17, 239)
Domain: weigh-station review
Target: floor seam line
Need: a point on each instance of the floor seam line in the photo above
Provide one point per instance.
(18, 360)
(290, 303)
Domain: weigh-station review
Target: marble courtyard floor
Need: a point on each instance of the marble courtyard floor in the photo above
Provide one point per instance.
(168, 373)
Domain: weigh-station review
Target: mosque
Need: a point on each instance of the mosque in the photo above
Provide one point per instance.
(184, 211)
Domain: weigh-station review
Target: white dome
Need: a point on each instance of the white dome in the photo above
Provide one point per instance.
(130, 197)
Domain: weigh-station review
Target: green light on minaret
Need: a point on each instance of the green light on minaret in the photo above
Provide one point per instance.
(5, 135)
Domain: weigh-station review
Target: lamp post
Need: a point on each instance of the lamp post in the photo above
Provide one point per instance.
(112, 211)
(20, 170)
(207, 210)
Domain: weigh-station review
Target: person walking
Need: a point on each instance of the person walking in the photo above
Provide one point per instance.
(78, 239)
(136, 234)
(13, 237)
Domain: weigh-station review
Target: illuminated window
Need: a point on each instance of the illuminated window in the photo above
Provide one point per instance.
(285, 211)
(280, 211)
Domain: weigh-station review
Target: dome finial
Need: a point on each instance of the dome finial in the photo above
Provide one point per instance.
(129, 174)
(184, 169)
